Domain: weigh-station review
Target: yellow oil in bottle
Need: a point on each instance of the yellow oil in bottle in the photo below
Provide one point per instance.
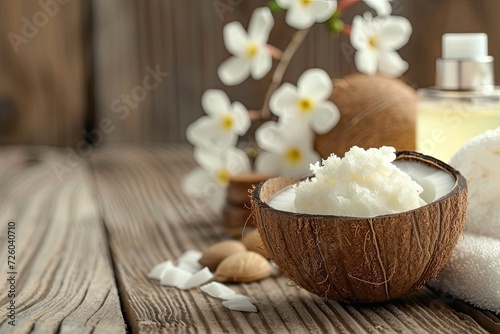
(444, 125)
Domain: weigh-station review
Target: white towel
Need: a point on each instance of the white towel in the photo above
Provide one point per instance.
(473, 271)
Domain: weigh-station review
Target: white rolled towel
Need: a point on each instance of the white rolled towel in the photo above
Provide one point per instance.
(479, 162)
(473, 272)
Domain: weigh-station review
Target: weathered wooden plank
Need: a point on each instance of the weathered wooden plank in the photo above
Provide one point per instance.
(43, 71)
(149, 220)
(65, 280)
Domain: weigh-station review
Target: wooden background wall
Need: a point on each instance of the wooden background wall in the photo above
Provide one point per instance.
(85, 67)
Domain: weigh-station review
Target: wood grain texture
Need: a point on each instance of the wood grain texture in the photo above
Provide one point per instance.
(149, 220)
(65, 280)
(184, 38)
(43, 71)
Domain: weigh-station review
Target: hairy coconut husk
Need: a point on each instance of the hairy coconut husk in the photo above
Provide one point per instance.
(374, 111)
(362, 260)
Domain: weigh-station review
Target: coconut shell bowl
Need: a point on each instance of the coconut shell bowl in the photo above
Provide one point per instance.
(363, 260)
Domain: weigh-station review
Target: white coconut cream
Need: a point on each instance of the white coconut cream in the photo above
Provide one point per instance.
(365, 183)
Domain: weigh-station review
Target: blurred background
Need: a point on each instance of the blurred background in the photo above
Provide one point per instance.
(133, 71)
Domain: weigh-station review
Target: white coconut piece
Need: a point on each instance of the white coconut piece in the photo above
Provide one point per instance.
(197, 279)
(232, 296)
(240, 304)
(216, 290)
(158, 270)
(176, 277)
(190, 256)
(479, 161)
(189, 261)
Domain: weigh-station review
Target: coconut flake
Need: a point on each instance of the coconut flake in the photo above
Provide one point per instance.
(216, 290)
(240, 304)
(189, 261)
(199, 278)
(158, 270)
(176, 277)
(233, 296)
(190, 256)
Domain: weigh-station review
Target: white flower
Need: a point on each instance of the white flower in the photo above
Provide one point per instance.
(210, 180)
(382, 7)
(302, 14)
(308, 101)
(376, 40)
(220, 129)
(249, 50)
(287, 149)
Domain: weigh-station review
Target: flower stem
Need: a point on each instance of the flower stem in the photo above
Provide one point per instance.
(287, 56)
(346, 4)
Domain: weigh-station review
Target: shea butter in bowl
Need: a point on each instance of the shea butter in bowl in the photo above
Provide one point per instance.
(399, 217)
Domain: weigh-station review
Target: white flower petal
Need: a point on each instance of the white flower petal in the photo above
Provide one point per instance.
(359, 38)
(284, 3)
(235, 38)
(241, 118)
(201, 130)
(261, 64)
(366, 61)
(326, 116)
(284, 97)
(300, 169)
(208, 159)
(391, 64)
(323, 9)
(299, 18)
(269, 137)
(236, 161)
(215, 102)
(268, 163)
(315, 83)
(221, 140)
(192, 184)
(234, 71)
(395, 32)
(382, 7)
(261, 23)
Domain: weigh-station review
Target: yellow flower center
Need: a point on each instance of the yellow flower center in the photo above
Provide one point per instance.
(227, 122)
(305, 2)
(306, 105)
(373, 42)
(293, 155)
(252, 49)
(223, 176)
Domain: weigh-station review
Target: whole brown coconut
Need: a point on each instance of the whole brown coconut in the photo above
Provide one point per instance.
(374, 111)
(362, 260)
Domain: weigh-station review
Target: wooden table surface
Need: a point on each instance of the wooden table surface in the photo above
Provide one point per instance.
(88, 229)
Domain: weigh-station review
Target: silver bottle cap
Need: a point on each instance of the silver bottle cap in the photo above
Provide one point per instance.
(466, 64)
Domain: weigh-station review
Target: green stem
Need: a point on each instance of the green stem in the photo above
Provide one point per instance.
(287, 56)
